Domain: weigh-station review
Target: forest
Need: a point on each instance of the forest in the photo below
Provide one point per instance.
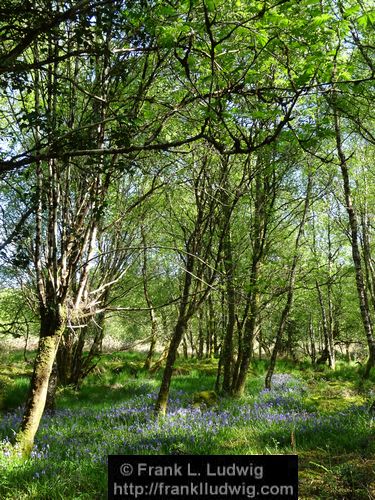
(187, 238)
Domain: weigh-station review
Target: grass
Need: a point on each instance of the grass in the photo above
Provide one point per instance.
(321, 416)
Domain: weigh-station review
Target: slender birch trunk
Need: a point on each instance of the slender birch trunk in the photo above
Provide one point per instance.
(291, 285)
(356, 255)
(227, 349)
(258, 233)
(152, 314)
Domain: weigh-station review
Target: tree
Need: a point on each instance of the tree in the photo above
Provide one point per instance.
(290, 285)
(354, 233)
(195, 255)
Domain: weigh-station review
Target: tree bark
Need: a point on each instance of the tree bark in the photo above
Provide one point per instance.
(367, 254)
(51, 391)
(151, 350)
(237, 364)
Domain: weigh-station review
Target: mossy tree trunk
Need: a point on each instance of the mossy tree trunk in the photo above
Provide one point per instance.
(211, 338)
(52, 388)
(238, 361)
(185, 312)
(51, 329)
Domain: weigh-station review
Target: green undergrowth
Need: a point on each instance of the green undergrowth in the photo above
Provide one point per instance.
(321, 415)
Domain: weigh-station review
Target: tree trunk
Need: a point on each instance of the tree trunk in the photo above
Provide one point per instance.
(279, 337)
(264, 197)
(366, 251)
(237, 364)
(260, 343)
(153, 319)
(331, 344)
(227, 349)
(64, 357)
(325, 354)
(200, 335)
(83, 365)
(72, 365)
(151, 350)
(162, 401)
(312, 341)
(190, 336)
(291, 345)
(198, 247)
(211, 329)
(184, 314)
(291, 284)
(218, 374)
(52, 327)
(248, 334)
(361, 290)
(185, 346)
(347, 352)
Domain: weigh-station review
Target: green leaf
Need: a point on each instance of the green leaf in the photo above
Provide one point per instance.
(306, 75)
(366, 19)
(210, 4)
(262, 39)
(351, 10)
(307, 3)
(319, 20)
(345, 75)
(167, 10)
(168, 36)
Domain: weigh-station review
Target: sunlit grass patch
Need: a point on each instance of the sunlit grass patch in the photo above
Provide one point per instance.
(323, 474)
(15, 393)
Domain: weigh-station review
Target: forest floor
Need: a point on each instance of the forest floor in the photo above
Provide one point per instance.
(320, 415)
